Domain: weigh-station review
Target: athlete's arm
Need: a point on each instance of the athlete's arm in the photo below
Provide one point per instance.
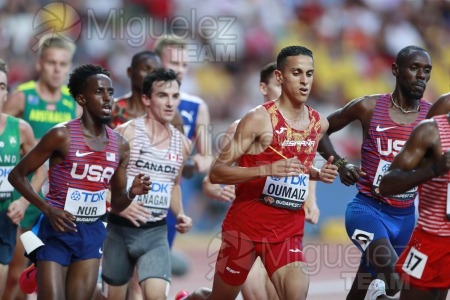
(252, 131)
(216, 191)
(120, 197)
(54, 145)
(184, 223)
(15, 104)
(328, 171)
(440, 107)
(419, 160)
(203, 158)
(16, 209)
(358, 109)
(312, 212)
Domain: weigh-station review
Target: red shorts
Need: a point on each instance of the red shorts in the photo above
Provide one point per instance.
(237, 255)
(424, 263)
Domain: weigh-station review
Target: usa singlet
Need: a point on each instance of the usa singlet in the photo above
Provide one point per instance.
(79, 184)
(385, 139)
(270, 209)
(435, 194)
(43, 115)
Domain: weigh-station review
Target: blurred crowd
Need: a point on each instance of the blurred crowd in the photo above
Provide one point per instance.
(354, 44)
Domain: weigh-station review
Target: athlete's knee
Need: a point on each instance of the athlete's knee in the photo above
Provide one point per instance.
(382, 256)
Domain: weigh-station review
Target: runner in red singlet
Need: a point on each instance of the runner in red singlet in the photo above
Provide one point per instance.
(273, 148)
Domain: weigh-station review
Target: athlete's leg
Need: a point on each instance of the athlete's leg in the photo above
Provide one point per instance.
(412, 293)
(258, 285)
(51, 278)
(382, 257)
(3, 274)
(8, 232)
(117, 292)
(292, 281)
(81, 279)
(234, 261)
(220, 291)
(155, 289)
(380, 232)
(134, 288)
(270, 288)
(18, 263)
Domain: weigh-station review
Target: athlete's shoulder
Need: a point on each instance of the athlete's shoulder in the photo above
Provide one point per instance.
(371, 99)
(191, 98)
(257, 115)
(440, 106)
(26, 86)
(12, 119)
(365, 103)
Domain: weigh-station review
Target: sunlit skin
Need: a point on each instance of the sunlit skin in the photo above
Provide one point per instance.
(175, 58)
(53, 67)
(413, 75)
(297, 78)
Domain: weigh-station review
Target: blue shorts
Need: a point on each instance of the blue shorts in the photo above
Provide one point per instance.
(65, 248)
(367, 220)
(8, 233)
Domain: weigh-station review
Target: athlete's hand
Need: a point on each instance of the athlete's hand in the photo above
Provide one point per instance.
(350, 174)
(328, 172)
(285, 167)
(184, 223)
(141, 185)
(61, 220)
(227, 193)
(136, 213)
(312, 211)
(16, 210)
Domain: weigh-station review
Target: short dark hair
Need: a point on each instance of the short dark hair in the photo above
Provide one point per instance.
(79, 76)
(405, 52)
(138, 56)
(267, 72)
(3, 66)
(159, 74)
(291, 51)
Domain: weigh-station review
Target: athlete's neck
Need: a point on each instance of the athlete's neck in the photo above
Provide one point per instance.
(135, 107)
(2, 122)
(159, 133)
(48, 93)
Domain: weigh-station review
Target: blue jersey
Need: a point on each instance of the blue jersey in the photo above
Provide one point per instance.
(188, 108)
